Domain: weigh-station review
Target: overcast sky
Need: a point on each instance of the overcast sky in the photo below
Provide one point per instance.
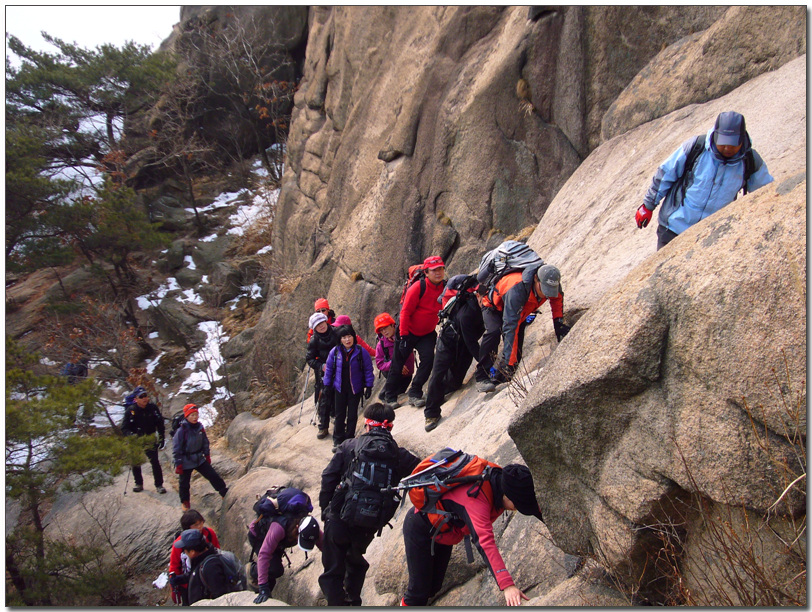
(91, 26)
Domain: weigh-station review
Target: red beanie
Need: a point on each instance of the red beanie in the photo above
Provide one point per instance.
(321, 303)
(189, 409)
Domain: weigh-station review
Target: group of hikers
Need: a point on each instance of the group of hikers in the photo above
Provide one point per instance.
(455, 496)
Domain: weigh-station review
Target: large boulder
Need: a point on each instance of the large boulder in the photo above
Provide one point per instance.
(746, 42)
(663, 392)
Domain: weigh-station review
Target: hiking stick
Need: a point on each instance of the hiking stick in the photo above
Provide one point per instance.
(304, 391)
(127, 482)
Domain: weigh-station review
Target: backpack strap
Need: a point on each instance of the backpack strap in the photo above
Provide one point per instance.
(749, 168)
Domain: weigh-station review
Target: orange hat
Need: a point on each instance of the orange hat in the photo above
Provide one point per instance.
(321, 303)
(382, 320)
(189, 409)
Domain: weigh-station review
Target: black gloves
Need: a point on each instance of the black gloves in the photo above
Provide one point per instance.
(561, 329)
(179, 579)
(367, 392)
(403, 344)
(264, 594)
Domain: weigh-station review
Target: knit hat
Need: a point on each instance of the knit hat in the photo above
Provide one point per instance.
(189, 409)
(191, 538)
(550, 279)
(308, 533)
(321, 303)
(316, 318)
(342, 320)
(517, 485)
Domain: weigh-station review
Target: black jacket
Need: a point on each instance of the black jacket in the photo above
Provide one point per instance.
(319, 348)
(333, 474)
(210, 582)
(143, 422)
(465, 325)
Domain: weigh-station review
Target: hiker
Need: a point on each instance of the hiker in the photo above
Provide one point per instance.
(321, 306)
(207, 579)
(473, 512)
(304, 532)
(179, 568)
(76, 372)
(143, 418)
(385, 350)
(516, 297)
(702, 176)
(190, 450)
(349, 372)
(457, 343)
(318, 349)
(345, 320)
(418, 318)
(346, 538)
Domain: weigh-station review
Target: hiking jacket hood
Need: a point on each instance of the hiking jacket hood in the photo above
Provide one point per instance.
(190, 446)
(384, 353)
(361, 372)
(418, 316)
(715, 182)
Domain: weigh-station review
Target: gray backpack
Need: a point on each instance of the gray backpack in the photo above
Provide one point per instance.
(510, 256)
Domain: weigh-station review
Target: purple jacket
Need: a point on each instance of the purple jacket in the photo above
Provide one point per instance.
(386, 346)
(361, 372)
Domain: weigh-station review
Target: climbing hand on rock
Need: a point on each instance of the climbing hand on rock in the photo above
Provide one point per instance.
(264, 594)
(561, 329)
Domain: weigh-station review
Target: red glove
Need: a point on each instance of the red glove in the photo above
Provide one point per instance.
(643, 216)
(178, 469)
(208, 458)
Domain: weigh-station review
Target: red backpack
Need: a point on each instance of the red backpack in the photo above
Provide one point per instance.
(416, 273)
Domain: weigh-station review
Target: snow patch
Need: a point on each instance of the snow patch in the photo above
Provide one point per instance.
(189, 262)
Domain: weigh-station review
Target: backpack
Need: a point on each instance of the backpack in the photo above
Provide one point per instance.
(291, 506)
(232, 568)
(373, 468)
(680, 185)
(438, 474)
(175, 422)
(452, 306)
(416, 274)
(510, 256)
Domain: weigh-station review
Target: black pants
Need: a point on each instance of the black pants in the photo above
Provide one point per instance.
(208, 472)
(275, 570)
(451, 362)
(426, 571)
(664, 236)
(345, 568)
(157, 473)
(346, 404)
(489, 344)
(424, 345)
(325, 403)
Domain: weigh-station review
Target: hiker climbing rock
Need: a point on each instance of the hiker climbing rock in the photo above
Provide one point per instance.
(467, 510)
(179, 564)
(282, 521)
(703, 176)
(318, 349)
(418, 318)
(349, 372)
(507, 309)
(190, 450)
(385, 351)
(143, 418)
(354, 507)
(457, 343)
(211, 576)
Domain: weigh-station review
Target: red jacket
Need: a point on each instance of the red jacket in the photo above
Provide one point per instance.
(418, 315)
(175, 565)
(479, 514)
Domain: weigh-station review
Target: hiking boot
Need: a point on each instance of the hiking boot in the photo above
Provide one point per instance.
(161, 490)
(432, 422)
(138, 488)
(323, 433)
(485, 386)
(417, 402)
(185, 506)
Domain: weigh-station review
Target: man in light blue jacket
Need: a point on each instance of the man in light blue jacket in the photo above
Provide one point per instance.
(702, 176)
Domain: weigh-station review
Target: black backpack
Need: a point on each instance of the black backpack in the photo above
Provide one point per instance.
(454, 303)
(174, 423)
(232, 568)
(291, 506)
(374, 467)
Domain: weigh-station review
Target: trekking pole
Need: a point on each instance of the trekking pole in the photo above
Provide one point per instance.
(127, 482)
(304, 391)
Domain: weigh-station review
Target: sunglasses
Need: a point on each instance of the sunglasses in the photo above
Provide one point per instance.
(143, 395)
(322, 310)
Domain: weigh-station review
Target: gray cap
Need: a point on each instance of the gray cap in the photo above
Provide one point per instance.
(191, 538)
(550, 279)
(729, 129)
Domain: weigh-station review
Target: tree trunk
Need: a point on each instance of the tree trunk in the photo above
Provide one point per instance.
(17, 579)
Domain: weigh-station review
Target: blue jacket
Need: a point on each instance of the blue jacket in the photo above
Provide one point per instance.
(361, 372)
(715, 183)
(190, 446)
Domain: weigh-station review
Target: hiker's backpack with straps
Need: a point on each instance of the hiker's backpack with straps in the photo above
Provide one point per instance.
(373, 468)
(440, 473)
(175, 422)
(232, 568)
(676, 194)
(291, 506)
(510, 256)
(459, 296)
(417, 274)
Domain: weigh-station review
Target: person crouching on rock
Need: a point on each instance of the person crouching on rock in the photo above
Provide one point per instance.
(206, 580)
(190, 450)
(179, 568)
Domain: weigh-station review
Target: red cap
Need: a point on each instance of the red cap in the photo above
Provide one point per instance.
(189, 409)
(382, 320)
(435, 261)
(321, 303)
